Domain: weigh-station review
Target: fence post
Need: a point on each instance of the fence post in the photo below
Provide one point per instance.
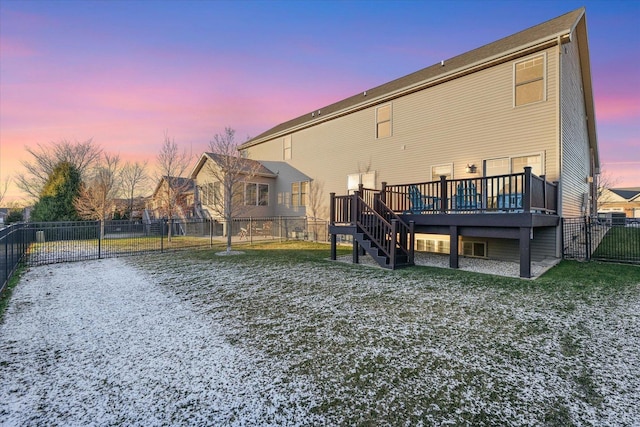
(162, 224)
(383, 193)
(587, 231)
(99, 224)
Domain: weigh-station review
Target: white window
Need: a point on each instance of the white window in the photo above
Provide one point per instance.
(299, 192)
(367, 179)
(439, 170)
(508, 165)
(529, 80)
(286, 147)
(383, 121)
(256, 194)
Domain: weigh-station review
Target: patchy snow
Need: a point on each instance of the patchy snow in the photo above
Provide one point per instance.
(98, 343)
(168, 340)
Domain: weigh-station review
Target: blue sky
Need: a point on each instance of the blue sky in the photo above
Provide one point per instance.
(124, 72)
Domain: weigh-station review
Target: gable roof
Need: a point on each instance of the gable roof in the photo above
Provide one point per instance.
(249, 166)
(522, 43)
(186, 185)
(626, 193)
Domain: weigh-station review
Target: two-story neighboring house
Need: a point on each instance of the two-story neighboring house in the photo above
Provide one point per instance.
(441, 153)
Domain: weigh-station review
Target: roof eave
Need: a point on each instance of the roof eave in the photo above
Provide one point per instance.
(521, 50)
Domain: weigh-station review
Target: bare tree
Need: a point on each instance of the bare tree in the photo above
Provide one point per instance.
(47, 156)
(4, 187)
(133, 176)
(172, 165)
(97, 195)
(230, 170)
(605, 182)
(316, 207)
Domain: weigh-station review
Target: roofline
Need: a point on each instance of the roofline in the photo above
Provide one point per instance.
(203, 158)
(522, 50)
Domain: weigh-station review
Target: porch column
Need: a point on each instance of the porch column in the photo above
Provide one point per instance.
(453, 246)
(525, 252)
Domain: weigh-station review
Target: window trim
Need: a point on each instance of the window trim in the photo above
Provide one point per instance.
(450, 165)
(540, 153)
(257, 185)
(514, 85)
(378, 122)
(287, 150)
(300, 197)
(473, 243)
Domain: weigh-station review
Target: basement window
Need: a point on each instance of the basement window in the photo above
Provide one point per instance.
(474, 249)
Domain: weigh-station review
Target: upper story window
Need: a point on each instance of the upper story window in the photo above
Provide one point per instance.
(383, 121)
(286, 147)
(529, 80)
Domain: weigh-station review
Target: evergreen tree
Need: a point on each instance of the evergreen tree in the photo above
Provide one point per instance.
(56, 202)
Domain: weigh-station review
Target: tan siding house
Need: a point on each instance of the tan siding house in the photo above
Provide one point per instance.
(471, 123)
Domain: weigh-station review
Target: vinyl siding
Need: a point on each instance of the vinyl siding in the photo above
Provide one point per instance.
(575, 145)
(461, 121)
(543, 246)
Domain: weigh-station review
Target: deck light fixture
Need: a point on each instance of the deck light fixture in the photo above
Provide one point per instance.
(471, 168)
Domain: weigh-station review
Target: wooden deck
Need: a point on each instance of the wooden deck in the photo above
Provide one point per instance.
(506, 207)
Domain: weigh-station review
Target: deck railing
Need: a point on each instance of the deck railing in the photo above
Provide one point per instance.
(520, 192)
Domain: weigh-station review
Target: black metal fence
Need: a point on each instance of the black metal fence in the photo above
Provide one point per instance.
(603, 239)
(52, 242)
(13, 246)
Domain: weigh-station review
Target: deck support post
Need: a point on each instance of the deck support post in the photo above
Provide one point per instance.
(356, 251)
(412, 242)
(334, 242)
(453, 246)
(525, 252)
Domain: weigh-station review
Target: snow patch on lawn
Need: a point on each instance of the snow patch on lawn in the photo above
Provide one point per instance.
(99, 343)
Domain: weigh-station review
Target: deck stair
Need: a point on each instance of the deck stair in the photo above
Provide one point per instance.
(378, 230)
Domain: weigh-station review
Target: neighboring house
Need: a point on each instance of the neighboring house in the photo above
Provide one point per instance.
(173, 197)
(122, 206)
(4, 212)
(623, 200)
(461, 133)
(262, 187)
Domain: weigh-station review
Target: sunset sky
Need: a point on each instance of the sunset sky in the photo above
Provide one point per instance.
(125, 72)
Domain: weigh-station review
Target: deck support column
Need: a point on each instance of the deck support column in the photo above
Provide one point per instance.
(356, 251)
(453, 246)
(525, 252)
(334, 242)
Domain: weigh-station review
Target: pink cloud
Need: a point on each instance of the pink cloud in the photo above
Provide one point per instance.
(618, 108)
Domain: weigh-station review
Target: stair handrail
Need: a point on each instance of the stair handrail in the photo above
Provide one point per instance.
(406, 231)
(382, 231)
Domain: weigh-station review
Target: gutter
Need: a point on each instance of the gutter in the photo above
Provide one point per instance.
(502, 57)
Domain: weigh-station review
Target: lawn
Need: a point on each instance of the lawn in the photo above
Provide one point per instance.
(620, 243)
(343, 344)
(426, 345)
